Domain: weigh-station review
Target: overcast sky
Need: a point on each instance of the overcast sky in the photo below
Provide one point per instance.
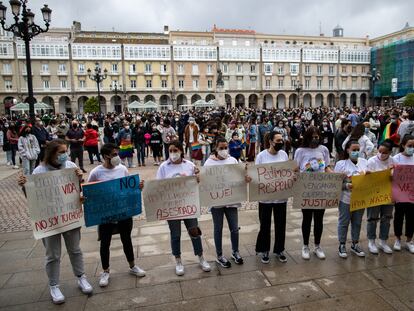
(299, 17)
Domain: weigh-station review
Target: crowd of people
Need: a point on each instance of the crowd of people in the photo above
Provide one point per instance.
(347, 141)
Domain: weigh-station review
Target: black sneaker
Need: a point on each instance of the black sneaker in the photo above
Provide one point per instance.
(281, 256)
(222, 261)
(265, 257)
(357, 250)
(237, 258)
(342, 251)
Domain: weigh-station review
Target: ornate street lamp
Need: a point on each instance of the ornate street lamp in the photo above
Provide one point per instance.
(374, 76)
(25, 28)
(298, 89)
(114, 87)
(98, 77)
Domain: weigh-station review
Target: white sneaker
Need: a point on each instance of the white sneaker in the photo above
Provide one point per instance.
(410, 247)
(137, 271)
(397, 245)
(204, 265)
(372, 247)
(319, 252)
(16, 167)
(57, 296)
(305, 252)
(84, 285)
(384, 247)
(104, 279)
(179, 268)
(8, 163)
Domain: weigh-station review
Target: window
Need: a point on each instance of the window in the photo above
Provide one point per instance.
(63, 84)
(164, 84)
(45, 67)
(46, 84)
(252, 68)
(239, 68)
(364, 82)
(319, 70)
(180, 68)
(280, 69)
(81, 68)
(132, 68)
(247, 43)
(209, 68)
(149, 84)
(307, 84)
(293, 83)
(163, 68)
(82, 84)
(319, 84)
(354, 70)
(280, 84)
(331, 70)
(307, 70)
(133, 84)
(268, 68)
(331, 84)
(195, 69)
(180, 84)
(343, 69)
(209, 84)
(7, 68)
(343, 83)
(239, 84)
(354, 83)
(294, 69)
(268, 82)
(234, 43)
(195, 84)
(148, 69)
(221, 42)
(115, 68)
(62, 67)
(225, 68)
(253, 83)
(8, 85)
(363, 69)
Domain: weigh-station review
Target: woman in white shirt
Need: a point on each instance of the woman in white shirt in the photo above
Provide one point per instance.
(352, 165)
(177, 166)
(273, 153)
(380, 162)
(404, 209)
(366, 147)
(222, 157)
(312, 157)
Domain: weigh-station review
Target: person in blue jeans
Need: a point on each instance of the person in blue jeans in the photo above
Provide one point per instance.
(352, 164)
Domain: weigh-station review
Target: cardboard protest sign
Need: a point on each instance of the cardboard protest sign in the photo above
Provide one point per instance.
(54, 202)
(403, 183)
(222, 184)
(317, 190)
(112, 200)
(172, 198)
(272, 181)
(371, 190)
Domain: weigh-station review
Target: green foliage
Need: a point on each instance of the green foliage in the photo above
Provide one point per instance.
(409, 100)
(91, 105)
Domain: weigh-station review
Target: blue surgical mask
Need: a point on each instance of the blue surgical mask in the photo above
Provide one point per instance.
(354, 155)
(62, 158)
(409, 151)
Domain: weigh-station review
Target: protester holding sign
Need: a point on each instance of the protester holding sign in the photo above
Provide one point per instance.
(312, 157)
(352, 165)
(404, 209)
(222, 157)
(380, 162)
(177, 166)
(273, 153)
(113, 169)
(56, 158)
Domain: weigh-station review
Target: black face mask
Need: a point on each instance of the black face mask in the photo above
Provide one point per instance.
(278, 146)
(314, 142)
(74, 126)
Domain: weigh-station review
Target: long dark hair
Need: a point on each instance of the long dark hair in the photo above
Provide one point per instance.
(357, 131)
(51, 150)
(349, 144)
(404, 141)
(307, 137)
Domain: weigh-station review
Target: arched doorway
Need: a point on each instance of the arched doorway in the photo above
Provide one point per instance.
(102, 102)
(165, 102)
(181, 100)
(353, 100)
(194, 98)
(363, 99)
(331, 100)
(210, 97)
(64, 105)
(133, 98)
(342, 100)
(149, 98)
(240, 101)
(307, 100)
(319, 100)
(293, 101)
(116, 103)
(49, 101)
(227, 98)
(268, 101)
(81, 103)
(253, 101)
(281, 101)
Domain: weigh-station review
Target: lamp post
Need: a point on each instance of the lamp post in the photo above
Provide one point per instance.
(298, 89)
(25, 28)
(115, 88)
(374, 76)
(98, 77)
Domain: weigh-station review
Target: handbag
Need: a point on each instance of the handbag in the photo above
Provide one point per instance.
(196, 152)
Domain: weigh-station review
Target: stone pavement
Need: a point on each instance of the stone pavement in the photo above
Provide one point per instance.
(382, 282)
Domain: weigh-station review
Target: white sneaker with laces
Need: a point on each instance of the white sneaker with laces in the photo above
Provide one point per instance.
(84, 285)
(57, 296)
(179, 268)
(410, 247)
(319, 252)
(16, 167)
(397, 245)
(104, 279)
(204, 265)
(305, 252)
(372, 247)
(384, 247)
(137, 271)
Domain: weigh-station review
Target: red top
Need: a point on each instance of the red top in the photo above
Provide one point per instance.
(91, 138)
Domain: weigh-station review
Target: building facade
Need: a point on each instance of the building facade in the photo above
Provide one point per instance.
(176, 68)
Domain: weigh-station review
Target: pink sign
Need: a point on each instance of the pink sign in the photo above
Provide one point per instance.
(403, 183)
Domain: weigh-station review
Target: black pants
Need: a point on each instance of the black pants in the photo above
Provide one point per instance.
(265, 217)
(93, 150)
(77, 154)
(13, 148)
(317, 215)
(105, 232)
(404, 210)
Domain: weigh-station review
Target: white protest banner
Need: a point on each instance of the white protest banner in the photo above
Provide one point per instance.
(317, 190)
(172, 198)
(271, 181)
(222, 184)
(54, 202)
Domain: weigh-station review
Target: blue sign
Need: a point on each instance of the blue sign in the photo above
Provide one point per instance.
(112, 200)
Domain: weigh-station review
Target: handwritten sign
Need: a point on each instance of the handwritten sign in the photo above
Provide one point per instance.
(222, 184)
(172, 198)
(272, 181)
(54, 202)
(403, 183)
(317, 190)
(112, 200)
(371, 190)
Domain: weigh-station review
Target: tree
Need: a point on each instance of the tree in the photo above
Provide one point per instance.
(409, 100)
(91, 105)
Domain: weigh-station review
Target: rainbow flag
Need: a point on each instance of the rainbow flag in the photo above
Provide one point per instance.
(126, 150)
(386, 133)
(195, 146)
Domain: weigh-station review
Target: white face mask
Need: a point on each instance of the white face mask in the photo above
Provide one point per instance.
(115, 161)
(175, 156)
(223, 153)
(383, 156)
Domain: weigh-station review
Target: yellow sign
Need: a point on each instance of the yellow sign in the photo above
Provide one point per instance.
(371, 190)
